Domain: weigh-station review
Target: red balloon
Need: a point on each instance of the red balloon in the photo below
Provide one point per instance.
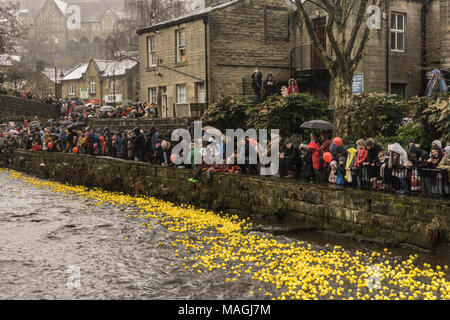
(173, 158)
(328, 157)
(338, 141)
(50, 145)
(75, 150)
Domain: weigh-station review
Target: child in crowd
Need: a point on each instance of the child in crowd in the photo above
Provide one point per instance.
(361, 157)
(340, 173)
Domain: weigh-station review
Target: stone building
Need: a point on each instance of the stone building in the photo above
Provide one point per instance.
(62, 42)
(413, 39)
(193, 60)
(102, 82)
(42, 82)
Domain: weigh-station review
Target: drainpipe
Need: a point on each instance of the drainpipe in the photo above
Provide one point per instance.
(205, 22)
(388, 48)
(423, 18)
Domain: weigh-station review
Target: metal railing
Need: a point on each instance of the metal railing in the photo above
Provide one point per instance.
(412, 180)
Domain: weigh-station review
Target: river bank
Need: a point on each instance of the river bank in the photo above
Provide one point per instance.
(386, 218)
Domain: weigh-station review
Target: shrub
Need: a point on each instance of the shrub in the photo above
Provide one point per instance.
(376, 114)
(229, 113)
(286, 113)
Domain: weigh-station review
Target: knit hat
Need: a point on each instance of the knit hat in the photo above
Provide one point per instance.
(438, 143)
(436, 72)
(447, 149)
(342, 159)
(412, 140)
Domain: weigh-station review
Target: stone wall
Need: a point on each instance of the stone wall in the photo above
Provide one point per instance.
(400, 219)
(11, 106)
(160, 124)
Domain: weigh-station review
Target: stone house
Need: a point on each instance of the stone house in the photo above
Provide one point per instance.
(191, 61)
(43, 82)
(413, 39)
(102, 82)
(63, 43)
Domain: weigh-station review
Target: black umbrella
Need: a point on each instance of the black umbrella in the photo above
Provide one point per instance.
(318, 124)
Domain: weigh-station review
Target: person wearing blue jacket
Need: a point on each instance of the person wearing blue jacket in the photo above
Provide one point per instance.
(436, 86)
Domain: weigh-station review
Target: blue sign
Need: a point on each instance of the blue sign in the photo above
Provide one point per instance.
(358, 84)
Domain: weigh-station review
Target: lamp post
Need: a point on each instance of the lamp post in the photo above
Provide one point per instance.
(114, 87)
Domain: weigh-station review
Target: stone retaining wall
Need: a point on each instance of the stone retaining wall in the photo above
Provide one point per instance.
(381, 216)
(11, 106)
(161, 124)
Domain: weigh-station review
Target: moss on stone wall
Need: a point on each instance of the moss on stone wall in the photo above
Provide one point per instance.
(371, 214)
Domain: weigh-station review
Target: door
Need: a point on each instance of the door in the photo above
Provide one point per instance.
(320, 25)
(163, 102)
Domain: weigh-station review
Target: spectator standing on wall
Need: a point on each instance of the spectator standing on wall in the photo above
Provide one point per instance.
(436, 86)
(257, 82)
(269, 86)
(293, 87)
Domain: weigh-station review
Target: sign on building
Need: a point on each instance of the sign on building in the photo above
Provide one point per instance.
(84, 94)
(358, 84)
(110, 98)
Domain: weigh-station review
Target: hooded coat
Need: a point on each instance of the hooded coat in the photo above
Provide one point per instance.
(436, 85)
(292, 90)
(350, 162)
(317, 160)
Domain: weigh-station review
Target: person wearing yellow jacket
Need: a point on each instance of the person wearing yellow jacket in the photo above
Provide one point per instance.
(351, 158)
(445, 162)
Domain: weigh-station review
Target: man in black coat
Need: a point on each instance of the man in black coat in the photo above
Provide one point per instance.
(257, 82)
(269, 86)
(290, 161)
(139, 145)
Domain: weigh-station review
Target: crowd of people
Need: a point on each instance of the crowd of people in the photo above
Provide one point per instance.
(321, 160)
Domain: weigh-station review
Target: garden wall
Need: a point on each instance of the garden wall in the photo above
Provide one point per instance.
(11, 107)
(400, 219)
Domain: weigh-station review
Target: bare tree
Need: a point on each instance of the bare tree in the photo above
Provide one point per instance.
(11, 30)
(348, 36)
(139, 14)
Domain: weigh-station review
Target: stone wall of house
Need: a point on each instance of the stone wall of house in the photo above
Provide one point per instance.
(245, 35)
(386, 217)
(11, 107)
(169, 73)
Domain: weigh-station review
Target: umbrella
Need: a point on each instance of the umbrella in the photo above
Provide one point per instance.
(318, 124)
(79, 108)
(14, 132)
(107, 108)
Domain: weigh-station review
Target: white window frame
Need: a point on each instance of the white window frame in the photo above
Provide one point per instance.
(152, 96)
(151, 49)
(181, 93)
(398, 32)
(71, 89)
(180, 38)
(92, 87)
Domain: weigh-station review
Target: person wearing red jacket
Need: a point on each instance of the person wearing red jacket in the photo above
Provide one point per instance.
(293, 88)
(361, 158)
(326, 143)
(319, 164)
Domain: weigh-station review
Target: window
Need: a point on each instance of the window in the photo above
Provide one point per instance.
(92, 86)
(152, 95)
(181, 93)
(398, 32)
(181, 45)
(151, 48)
(398, 89)
(71, 89)
(201, 93)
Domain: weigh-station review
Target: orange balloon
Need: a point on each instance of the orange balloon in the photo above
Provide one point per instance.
(173, 158)
(338, 141)
(75, 150)
(50, 145)
(328, 157)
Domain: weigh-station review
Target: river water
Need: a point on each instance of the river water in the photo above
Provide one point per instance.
(48, 239)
